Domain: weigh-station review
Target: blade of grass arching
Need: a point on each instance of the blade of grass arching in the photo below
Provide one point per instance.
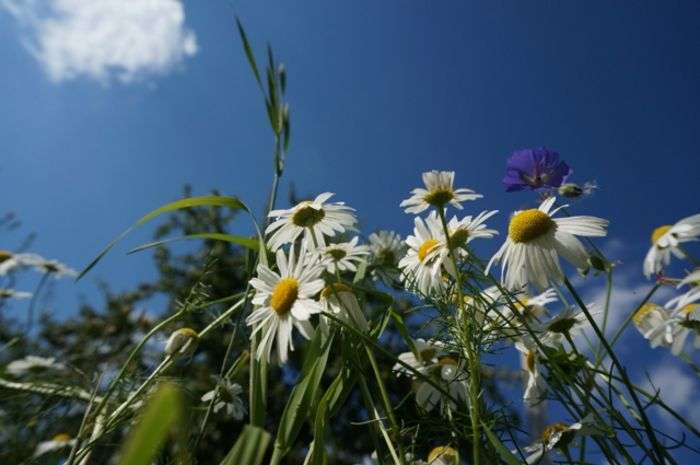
(300, 403)
(503, 452)
(247, 242)
(250, 447)
(162, 416)
(207, 200)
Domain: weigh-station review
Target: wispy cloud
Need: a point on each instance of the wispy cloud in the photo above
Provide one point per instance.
(105, 40)
(678, 389)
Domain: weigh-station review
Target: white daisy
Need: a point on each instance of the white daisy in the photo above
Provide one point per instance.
(651, 320)
(536, 387)
(438, 193)
(568, 321)
(10, 261)
(285, 300)
(387, 249)
(33, 363)
(665, 241)
(560, 436)
(508, 317)
(463, 231)
(450, 374)
(425, 358)
(55, 269)
(443, 455)
(316, 219)
(691, 295)
(227, 397)
(345, 256)
(535, 241)
(683, 322)
(340, 300)
(58, 442)
(426, 254)
(13, 294)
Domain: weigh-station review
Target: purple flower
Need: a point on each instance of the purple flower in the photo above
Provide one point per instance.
(535, 169)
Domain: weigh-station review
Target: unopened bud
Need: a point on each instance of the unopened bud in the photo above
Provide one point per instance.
(182, 342)
(598, 263)
(571, 190)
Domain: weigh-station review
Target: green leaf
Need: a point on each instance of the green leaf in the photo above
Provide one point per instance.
(252, 244)
(361, 272)
(207, 200)
(505, 454)
(248, 51)
(162, 415)
(301, 400)
(249, 448)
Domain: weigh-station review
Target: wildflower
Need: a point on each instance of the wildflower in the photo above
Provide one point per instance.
(536, 386)
(386, 249)
(182, 342)
(448, 373)
(55, 269)
(10, 261)
(228, 397)
(535, 241)
(443, 455)
(422, 360)
(33, 364)
(462, 232)
(508, 315)
(422, 264)
(568, 322)
(58, 442)
(340, 300)
(666, 240)
(690, 296)
(285, 301)
(316, 219)
(439, 193)
(559, 436)
(683, 321)
(345, 256)
(535, 169)
(651, 321)
(13, 294)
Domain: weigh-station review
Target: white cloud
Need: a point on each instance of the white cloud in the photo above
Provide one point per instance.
(126, 40)
(678, 389)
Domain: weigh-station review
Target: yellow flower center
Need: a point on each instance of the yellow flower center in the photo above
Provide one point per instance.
(690, 308)
(335, 288)
(530, 360)
(549, 433)
(61, 437)
(447, 361)
(643, 312)
(658, 232)
(307, 216)
(284, 295)
(445, 454)
(425, 248)
(337, 254)
(5, 255)
(528, 225)
(439, 197)
(459, 238)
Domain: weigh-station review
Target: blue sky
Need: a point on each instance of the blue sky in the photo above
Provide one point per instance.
(379, 91)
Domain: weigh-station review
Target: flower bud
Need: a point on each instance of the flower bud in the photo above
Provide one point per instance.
(182, 342)
(571, 190)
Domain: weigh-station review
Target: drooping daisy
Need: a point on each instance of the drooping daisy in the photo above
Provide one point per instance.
(665, 241)
(425, 358)
(567, 322)
(316, 219)
(683, 322)
(387, 249)
(55, 269)
(535, 241)
(424, 259)
(535, 169)
(58, 442)
(10, 261)
(285, 301)
(691, 295)
(33, 364)
(448, 373)
(345, 256)
(559, 436)
(651, 321)
(439, 192)
(228, 398)
(535, 387)
(182, 342)
(13, 294)
(340, 300)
